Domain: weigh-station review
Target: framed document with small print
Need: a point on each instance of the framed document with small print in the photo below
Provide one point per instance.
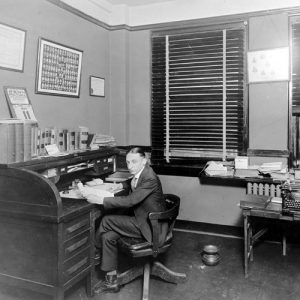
(58, 69)
(12, 50)
(97, 86)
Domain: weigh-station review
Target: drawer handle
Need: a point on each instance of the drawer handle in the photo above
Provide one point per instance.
(77, 226)
(77, 245)
(77, 266)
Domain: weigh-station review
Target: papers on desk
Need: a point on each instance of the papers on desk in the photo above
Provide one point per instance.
(276, 170)
(215, 168)
(249, 172)
(72, 194)
(101, 190)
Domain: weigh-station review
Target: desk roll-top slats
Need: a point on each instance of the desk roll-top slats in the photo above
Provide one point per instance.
(26, 192)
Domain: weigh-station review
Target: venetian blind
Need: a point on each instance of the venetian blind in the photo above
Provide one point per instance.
(296, 68)
(198, 94)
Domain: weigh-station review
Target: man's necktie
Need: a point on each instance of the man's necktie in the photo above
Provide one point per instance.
(133, 183)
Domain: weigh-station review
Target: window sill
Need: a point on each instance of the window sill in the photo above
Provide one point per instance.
(178, 170)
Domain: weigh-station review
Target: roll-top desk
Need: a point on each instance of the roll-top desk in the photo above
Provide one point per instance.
(46, 242)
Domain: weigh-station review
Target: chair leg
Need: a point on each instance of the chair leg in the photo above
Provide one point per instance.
(161, 271)
(146, 282)
(130, 275)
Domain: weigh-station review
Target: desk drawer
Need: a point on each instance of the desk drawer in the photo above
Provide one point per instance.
(76, 244)
(76, 264)
(76, 226)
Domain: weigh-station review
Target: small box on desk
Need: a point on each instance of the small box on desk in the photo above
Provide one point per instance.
(241, 162)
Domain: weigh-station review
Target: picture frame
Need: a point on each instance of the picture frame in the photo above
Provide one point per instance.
(58, 69)
(97, 86)
(268, 65)
(19, 103)
(12, 50)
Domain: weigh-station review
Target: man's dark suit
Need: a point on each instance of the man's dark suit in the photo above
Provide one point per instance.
(145, 198)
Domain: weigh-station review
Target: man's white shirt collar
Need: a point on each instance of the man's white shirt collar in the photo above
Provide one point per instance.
(137, 175)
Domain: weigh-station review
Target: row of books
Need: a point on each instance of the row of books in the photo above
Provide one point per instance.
(22, 140)
(66, 140)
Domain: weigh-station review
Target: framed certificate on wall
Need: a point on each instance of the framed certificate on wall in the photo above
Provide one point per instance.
(97, 86)
(58, 69)
(12, 41)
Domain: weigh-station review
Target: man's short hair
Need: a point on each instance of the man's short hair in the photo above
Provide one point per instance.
(138, 150)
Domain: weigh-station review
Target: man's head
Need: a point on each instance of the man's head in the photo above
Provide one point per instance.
(136, 160)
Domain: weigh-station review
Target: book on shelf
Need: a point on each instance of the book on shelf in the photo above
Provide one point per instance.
(72, 140)
(7, 145)
(83, 137)
(16, 140)
(38, 141)
(19, 141)
(27, 132)
(53, 136)
(60, 140)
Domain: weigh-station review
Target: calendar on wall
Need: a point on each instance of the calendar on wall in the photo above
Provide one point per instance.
(268, 65)
(58, 69)
(19, 104)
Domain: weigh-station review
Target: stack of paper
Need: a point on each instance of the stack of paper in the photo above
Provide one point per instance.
(215, 168)
(275, 169)
(268, 167)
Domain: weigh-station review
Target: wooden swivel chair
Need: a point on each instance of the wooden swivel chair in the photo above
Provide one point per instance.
(138, 248)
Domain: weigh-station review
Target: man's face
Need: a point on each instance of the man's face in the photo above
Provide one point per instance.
(135, 162)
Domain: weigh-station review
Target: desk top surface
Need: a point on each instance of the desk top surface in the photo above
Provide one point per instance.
(262, 206)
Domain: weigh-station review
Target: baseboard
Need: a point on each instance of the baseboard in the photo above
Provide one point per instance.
(216, 229)
(276, 229)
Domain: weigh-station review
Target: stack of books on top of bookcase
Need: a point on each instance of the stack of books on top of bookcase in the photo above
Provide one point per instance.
(16, 140)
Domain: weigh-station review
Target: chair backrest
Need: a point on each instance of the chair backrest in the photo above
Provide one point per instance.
(167, 217)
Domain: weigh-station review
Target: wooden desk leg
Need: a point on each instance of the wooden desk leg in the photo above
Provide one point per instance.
(246, 245)
(89, 284)
(250, 240)
(284, 245)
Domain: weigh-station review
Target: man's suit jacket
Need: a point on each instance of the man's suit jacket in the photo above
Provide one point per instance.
(145, 198)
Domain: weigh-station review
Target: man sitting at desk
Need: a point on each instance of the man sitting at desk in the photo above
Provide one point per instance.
(146, 196)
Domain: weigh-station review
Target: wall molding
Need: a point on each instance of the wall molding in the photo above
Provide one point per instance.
(242, 17)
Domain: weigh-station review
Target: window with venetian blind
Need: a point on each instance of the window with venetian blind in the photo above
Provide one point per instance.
(198, 94)
(295, 90)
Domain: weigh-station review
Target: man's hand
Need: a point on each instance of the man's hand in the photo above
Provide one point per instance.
(94, 199)
(90, 194)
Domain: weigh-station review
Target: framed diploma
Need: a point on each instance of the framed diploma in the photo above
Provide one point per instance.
(97, 86)
(19, 103)
(58, 69)
(12, 41)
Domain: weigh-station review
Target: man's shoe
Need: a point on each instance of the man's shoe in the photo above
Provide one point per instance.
(109, 285)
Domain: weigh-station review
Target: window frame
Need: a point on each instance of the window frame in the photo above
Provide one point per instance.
(193, 165)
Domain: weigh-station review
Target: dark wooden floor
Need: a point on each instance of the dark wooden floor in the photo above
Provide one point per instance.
(271, 275)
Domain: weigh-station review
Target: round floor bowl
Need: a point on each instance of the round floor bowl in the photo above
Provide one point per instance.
(211, 259)
(210, 249)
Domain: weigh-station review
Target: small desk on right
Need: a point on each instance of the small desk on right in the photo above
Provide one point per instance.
(260, 206)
